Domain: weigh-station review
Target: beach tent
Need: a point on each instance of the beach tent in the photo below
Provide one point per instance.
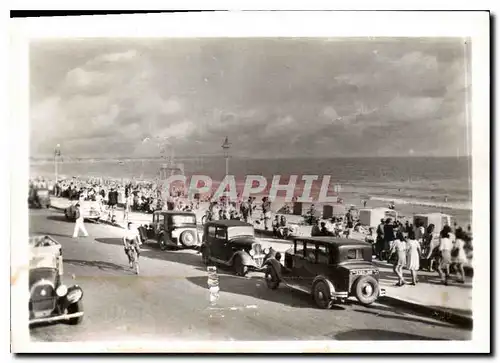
(334, 210)
(371, 216)
(438, 219)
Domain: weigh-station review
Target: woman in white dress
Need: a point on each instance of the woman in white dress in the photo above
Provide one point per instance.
(414, 251)
(458, 255)
(399, 248)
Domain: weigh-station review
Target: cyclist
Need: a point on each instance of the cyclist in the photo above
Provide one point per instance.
(131, 240)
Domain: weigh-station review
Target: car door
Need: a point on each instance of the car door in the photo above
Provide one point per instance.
(220, 244)
(209, 236)
(302, 275)
(320, 263)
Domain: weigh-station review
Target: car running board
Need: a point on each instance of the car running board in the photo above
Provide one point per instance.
(56, 318)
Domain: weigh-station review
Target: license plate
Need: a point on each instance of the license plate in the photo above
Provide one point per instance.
(363, 272)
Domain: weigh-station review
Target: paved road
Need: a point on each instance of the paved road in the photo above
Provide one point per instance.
(170, 299)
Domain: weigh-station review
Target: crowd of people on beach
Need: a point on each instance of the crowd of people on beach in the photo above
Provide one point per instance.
(403, 244)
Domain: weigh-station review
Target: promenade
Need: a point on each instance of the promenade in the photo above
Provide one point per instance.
(429, 297)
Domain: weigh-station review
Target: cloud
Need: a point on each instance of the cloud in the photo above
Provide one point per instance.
(270, 96)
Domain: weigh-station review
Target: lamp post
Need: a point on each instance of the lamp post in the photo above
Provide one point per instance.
(225, 147)
(57, 154)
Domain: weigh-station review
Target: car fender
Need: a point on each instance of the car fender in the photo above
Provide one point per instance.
(326, 281)
(246, 259)
(276, 265)
(68, 300)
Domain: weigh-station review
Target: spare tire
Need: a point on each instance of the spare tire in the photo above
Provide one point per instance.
(188, 238)
(366, 290)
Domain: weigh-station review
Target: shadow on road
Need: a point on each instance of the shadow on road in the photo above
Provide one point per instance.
(378, 334)
(255, 287)
(102, 265)
(401, 316)
(60, 218)
(186, 257)
(426, 279)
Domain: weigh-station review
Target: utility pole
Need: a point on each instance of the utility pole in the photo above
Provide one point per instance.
(57, 154)
(225, 147)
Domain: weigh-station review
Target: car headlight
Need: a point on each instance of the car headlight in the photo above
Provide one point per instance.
(266, 250)
(61, 290)
(75, 295)
(252, 252)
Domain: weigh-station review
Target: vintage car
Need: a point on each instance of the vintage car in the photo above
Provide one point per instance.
(174, 229)
(232, 243)
(91, 210)
(39, 198)
(51, 300)
(330, 269)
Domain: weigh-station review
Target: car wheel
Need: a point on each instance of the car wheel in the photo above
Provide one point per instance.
(272, 280)
(75, 308)
(204, 256)
(366, 290)
(188, 238)
(239, 267)
(162, 243)
(322, 296)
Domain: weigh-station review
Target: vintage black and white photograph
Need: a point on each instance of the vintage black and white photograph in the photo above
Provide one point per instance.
(265, 189)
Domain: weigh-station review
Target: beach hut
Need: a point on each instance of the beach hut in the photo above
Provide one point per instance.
(438, 219)
(333, 210)
(371, 216)
(297, 208)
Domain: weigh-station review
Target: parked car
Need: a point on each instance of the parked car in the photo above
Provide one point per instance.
(330, 269)
(232, 243)
(91, 210)
(174, 229)
(50, 299)
(39, 198)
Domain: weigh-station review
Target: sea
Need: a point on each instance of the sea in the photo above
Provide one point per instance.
(425, 181)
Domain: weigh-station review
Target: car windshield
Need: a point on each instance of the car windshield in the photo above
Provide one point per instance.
(239, 231)
(183, 219)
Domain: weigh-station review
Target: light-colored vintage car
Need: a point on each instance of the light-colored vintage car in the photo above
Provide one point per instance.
(50, 299)
(91, 210)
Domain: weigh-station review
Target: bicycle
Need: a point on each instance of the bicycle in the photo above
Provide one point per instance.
(133, 256)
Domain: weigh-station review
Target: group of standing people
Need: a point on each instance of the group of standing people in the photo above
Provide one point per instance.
(443, 250)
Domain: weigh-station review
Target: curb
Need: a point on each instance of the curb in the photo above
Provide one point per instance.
(432, 312)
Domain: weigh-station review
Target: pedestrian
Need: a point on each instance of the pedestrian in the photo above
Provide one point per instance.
(245, 210)
(414, 252)
(380, 238)
(388, 235)
(315, 230)
(129, 200)
(445, 247)
(431, 247)
(399, 248)
(79, 226)
(458, 255)
(112, 202)
(266, 212)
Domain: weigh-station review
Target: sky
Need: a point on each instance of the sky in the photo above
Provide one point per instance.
(272, 97)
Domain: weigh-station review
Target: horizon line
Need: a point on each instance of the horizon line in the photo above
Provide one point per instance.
(50, 158)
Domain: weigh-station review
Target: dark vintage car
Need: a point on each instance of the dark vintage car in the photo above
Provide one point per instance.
(50, 299)
(39, 198)
(232, 243)
(174, 229)
(330, 269)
